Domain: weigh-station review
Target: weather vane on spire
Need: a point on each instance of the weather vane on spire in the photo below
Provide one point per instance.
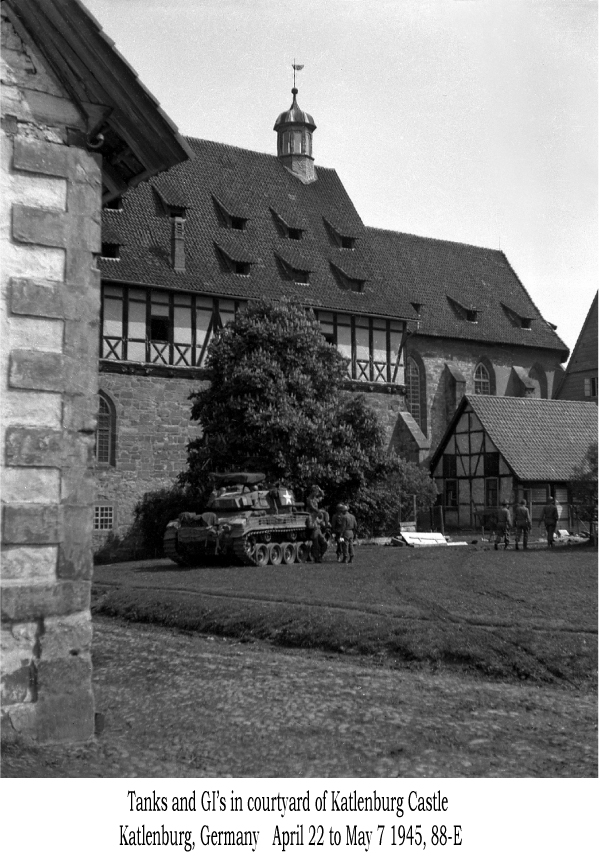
(296, 68)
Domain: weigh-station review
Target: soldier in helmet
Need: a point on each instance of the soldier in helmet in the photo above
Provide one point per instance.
(503, 523)
(550, 520)
(314, 522)
(522, 524)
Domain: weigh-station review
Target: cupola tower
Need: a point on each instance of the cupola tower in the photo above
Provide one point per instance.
(294, 130)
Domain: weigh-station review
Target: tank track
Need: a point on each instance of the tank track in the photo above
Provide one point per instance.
(244, 547)
(170, 548)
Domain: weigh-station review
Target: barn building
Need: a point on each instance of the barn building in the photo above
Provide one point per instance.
(498, 449)
(422, 322)
(77, 127)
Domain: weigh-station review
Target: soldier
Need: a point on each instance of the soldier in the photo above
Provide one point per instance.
(503, 523)
(347, 538)
(522, 524)
(550, 519)
(313, 524)
(337, 525)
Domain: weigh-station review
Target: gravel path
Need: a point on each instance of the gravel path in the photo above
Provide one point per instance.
(182, 705)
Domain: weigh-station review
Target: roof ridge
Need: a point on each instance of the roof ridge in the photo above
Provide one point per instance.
(437, 240)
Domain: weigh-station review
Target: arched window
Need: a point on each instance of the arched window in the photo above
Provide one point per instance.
(106, 432)
(413, 389)
(482, 380)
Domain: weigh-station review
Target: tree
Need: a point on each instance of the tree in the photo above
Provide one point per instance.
(584, 486)
(276, 404)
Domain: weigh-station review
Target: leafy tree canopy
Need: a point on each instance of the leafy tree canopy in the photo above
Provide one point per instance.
(584, 485)
(275, 403)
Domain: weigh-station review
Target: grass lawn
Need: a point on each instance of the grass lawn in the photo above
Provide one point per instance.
(528, 615)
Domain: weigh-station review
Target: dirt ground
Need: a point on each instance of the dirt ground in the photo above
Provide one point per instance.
(181, 704)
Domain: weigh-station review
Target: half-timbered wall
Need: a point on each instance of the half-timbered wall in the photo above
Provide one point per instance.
(472, 476)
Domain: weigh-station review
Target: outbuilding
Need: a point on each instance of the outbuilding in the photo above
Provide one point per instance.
(503, 448)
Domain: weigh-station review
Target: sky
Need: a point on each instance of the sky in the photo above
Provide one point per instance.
(468, 120)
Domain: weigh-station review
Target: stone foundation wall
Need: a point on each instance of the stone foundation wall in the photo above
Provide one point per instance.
(49, 310)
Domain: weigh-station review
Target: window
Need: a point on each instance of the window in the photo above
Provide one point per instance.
(114, 204)
(372, 346)
(346, 282)
(155, 326)
(242, 268)
(106, 431)
(472, 315)
(110, 251)
(295, 234)
(491, 492)
(482, 380)
(238, 223)
(103, 518)
(491, 464)
(347, 242)
(413, 389)
(526, 323)
(451, 493)
(449, 466)
(590, 387)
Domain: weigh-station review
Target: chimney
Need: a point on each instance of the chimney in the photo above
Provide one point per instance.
(178, 243)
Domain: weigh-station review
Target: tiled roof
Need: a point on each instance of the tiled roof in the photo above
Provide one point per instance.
(249, 185)
(541, 439)
(446, 278)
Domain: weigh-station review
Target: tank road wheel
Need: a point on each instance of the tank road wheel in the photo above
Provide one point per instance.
(288, 553)
(303, 552)
(261, 555)
(275, 553)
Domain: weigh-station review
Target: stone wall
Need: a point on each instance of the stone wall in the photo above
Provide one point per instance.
(449, 365)
(49, 310)
(153, 428)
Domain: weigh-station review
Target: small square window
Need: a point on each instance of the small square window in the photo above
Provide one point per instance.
(238, 223)
(103, 518)
(526, 323)
(115, 204)
(110, 251)
(295, 234)
(302, 277)
(241, 268)
(347, 243)
(472, 315)
(159, 328)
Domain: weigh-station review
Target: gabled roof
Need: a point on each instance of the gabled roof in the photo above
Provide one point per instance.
(540, 439)
(446, 277)
(250, 185)
(584, 358)
(136, 138)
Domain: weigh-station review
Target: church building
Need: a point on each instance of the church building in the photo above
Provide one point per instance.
(421, 321)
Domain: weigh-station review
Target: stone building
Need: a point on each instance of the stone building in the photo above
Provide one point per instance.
(421, 321)
(580, 381)
(77, 127)
(499, 449)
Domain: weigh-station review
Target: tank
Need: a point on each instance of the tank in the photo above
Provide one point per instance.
(243, 523)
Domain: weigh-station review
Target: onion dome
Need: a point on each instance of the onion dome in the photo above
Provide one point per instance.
(294, 130)
(294, 116)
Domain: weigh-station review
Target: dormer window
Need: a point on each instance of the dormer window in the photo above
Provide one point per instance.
(346, 282)
(288, 225)
(472, 315)
(341, 235)
(235, 258)
(526, 323)
(417, 307)
(110, 251)
(295, 234)
(238, 223)
(230, 214)
(294, 269)
(114, 204)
